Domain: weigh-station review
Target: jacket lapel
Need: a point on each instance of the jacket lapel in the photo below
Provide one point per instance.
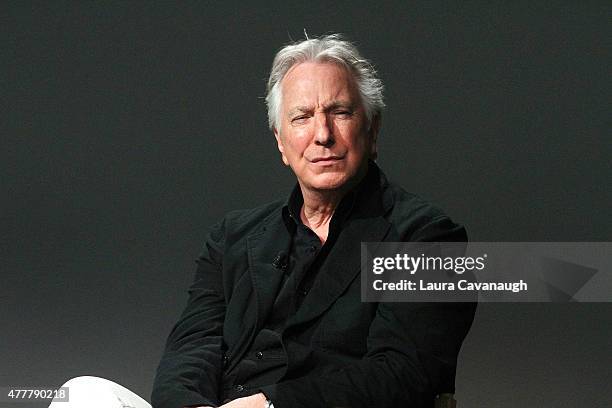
(263, 248)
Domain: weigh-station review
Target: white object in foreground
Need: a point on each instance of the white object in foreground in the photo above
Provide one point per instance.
(96, 392)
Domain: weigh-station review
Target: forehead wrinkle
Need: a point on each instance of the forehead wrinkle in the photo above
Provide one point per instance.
(327, 93)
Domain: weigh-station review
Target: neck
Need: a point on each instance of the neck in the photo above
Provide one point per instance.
(319, 206)
(318, 210)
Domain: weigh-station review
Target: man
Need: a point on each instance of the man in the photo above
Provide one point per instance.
(274, 316)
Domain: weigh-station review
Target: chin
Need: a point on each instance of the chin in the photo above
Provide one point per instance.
(329, 181)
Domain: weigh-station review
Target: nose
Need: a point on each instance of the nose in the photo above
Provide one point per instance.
(323, 134)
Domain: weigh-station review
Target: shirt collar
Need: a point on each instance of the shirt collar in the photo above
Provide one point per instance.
(367, 186)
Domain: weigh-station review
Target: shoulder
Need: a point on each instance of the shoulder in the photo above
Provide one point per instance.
(416, 219)
(241, 223)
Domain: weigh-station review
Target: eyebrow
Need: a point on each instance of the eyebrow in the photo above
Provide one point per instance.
(331, 106)
(300, 109)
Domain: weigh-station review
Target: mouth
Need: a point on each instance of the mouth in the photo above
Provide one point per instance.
(326, 159)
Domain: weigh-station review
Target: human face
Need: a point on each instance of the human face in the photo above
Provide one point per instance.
(324, 135)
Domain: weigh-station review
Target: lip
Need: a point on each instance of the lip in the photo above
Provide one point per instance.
(327, 159)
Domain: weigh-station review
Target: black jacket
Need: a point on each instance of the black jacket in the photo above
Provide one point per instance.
(340, 352)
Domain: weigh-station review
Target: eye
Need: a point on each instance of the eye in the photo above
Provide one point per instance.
(343, 113)
(299, 119)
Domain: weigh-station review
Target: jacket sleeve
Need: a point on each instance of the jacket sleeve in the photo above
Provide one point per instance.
(411, 354)
(189, 372)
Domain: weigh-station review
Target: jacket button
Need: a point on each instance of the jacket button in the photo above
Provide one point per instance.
(225, 361)
(240, 388)
(259, 355)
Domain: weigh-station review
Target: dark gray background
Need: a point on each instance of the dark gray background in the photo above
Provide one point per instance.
(128, 129)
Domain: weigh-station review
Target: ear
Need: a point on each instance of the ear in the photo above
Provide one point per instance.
(280, 146)
(373, 136)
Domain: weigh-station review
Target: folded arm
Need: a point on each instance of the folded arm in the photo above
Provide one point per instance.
(411, 350)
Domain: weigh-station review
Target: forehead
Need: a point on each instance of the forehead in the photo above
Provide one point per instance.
(318, 83)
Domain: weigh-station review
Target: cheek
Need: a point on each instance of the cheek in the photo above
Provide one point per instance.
(359, 144)
(297, 143)
(354, 134)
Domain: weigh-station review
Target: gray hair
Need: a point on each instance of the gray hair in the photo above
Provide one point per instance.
(328, 48)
